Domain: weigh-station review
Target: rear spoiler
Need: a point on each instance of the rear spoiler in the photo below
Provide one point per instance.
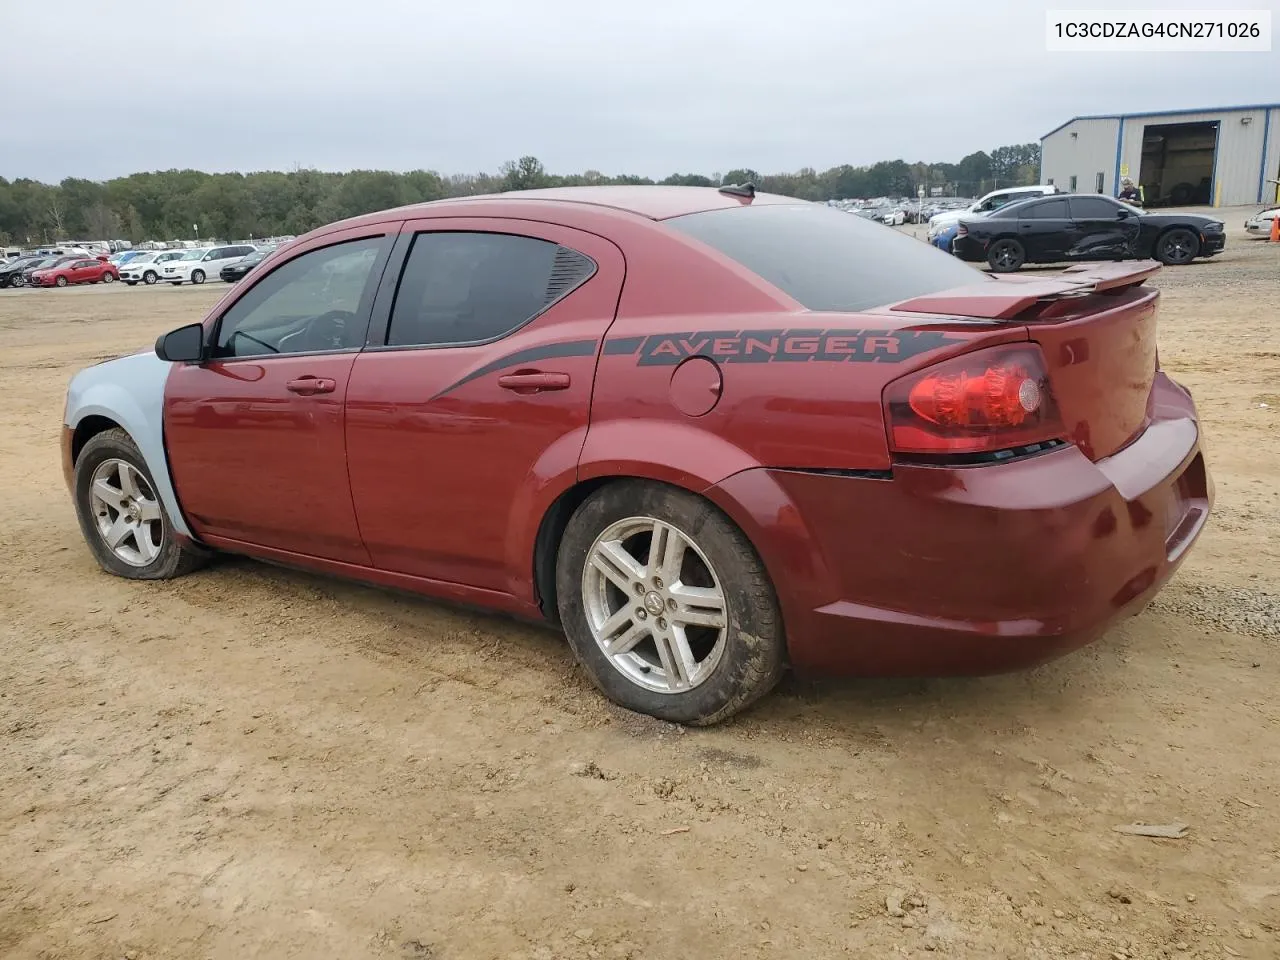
(1006, 297)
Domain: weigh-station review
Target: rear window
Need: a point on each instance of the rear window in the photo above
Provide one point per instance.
(826, 259)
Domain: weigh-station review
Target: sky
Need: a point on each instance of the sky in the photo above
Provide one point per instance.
(653, 87)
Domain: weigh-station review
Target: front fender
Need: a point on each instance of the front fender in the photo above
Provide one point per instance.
(130, 392)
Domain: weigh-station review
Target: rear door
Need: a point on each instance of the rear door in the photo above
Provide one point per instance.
(476, 392)
(255, 435)
(1043, 227)
(1102, 230)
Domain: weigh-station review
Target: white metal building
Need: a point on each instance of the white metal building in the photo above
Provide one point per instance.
(1221, 156)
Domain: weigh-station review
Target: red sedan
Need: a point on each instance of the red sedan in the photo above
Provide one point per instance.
(711, 434)
(85, 270)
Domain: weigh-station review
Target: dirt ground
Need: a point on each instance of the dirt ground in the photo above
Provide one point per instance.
(252, 762)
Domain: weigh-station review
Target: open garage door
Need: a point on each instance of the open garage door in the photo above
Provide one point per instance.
(1177, 163)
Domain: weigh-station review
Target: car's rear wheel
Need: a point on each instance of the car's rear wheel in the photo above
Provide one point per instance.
(17, 282)
(149, 277)
(107, 277)
(197, 276)
(121, 515)
(61, 281)
(666, 604)
(1177, 247)
(1006, 256)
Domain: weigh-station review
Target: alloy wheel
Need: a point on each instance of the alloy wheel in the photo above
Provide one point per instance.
(126, 512)
(654, 605)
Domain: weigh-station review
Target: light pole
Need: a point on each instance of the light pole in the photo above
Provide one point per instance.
(195, 229)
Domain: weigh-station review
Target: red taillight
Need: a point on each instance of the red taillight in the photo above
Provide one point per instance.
(992, 399)
(962, 231)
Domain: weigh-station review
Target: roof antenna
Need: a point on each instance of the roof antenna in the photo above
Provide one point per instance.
(747, 190)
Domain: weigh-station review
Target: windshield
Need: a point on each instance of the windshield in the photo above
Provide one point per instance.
(42, 264)
(825, 259)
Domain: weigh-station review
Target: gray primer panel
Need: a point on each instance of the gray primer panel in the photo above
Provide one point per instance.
(130, 391)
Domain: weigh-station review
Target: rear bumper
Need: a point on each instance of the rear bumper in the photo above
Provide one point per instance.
(969, 249)
(973, 570)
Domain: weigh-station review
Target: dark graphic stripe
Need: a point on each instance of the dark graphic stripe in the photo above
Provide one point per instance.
(548, 351)
(622, 345)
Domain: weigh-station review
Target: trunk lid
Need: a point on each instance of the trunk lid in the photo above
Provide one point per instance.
(1096, 325)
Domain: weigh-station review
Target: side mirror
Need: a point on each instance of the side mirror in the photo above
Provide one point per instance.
(1122, 214)
(184, 345)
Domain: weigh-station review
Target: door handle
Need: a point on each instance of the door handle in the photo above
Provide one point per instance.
(533, 381)
(309, 386)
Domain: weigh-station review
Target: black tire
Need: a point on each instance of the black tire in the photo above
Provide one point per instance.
(17, 282)
(150, 277)
(174, 559)
(108, 277)
(1006, 256)
(61, 282)
(197, 276)
(754, 654)
(1177, 247)
(131, 283)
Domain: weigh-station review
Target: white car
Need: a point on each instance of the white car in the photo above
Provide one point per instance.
(894, 218)
(991, 201)
(197, 266)
(1259, 225)
(146, 267)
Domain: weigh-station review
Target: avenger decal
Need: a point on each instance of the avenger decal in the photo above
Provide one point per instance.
(792, 345)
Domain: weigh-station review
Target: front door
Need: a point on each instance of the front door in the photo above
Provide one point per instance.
(255, 434)
(477, 394)
(1101, 230)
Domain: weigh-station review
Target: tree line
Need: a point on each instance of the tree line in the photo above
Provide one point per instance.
(188, 204)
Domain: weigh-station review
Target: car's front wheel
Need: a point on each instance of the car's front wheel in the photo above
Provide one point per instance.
(149, 277)
(61, 281)
(197, 276)
(1006, 256)
(1177, 247)
(666, 604)
(121, 515)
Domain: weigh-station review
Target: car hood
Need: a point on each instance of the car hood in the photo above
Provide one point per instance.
(1186, 219)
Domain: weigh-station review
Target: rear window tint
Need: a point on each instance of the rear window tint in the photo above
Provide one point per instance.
(826, 259)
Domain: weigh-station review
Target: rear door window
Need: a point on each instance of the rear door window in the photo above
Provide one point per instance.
(826, 259)
(1049, 210)
(461, 288)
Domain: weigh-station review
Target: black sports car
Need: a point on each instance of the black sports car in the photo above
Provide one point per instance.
(236, 271)
(11, 272)
(1087, 227)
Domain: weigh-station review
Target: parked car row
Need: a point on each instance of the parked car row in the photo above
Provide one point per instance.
(57, 271)
(227, 262)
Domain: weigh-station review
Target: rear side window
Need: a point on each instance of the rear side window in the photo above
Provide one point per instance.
(826, 259)
(460, 288)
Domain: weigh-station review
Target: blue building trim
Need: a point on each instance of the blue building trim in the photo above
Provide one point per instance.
(1165, 113)
(1262, 164)
(1115, 181)
(1217, 155)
